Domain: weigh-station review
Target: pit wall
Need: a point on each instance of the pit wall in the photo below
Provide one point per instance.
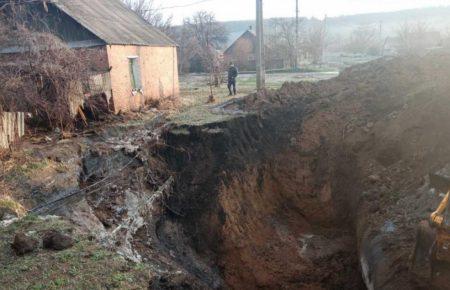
(284, 228)
(261, 210)
(159, 75)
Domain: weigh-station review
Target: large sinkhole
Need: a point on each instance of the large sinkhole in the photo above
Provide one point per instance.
(263, 203)
(301, 188)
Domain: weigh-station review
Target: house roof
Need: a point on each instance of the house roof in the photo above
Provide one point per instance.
(235, 36)
(113, 22)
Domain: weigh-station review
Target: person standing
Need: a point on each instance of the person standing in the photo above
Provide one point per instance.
(232, 75)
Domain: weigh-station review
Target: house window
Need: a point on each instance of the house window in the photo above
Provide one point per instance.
(135, 73)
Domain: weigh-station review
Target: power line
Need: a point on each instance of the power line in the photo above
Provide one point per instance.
(159, 8)
(184, 5)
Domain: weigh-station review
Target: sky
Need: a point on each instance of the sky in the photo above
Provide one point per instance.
(226, 10)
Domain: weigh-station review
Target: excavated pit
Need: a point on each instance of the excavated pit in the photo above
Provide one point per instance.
(307, 187)
(253, 204)
(261, 207)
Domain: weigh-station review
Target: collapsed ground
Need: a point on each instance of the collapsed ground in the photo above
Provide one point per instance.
(313, 186)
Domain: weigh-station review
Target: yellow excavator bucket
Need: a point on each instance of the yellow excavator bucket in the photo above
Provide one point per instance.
(442, 249)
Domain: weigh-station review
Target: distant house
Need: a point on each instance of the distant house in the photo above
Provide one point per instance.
(242, 51)
(131, 62)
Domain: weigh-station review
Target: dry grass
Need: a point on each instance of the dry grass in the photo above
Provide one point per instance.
(7, 203)
(194, 91)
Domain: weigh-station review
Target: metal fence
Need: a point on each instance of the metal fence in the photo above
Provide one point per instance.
(12, 127)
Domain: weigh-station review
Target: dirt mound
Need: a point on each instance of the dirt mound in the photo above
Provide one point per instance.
(393, 114)
(356, 147)
(401, 105)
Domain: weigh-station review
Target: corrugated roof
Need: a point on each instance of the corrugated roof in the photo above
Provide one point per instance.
(233, 36)
(113, 22)
(237, 35)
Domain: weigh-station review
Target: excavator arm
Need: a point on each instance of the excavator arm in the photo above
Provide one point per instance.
(432, 245)
(437, 217)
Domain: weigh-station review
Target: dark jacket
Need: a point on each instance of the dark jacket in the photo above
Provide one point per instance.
(232, 73)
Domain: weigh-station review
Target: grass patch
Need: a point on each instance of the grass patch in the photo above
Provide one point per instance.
(194, 92)
(197, 116)
(84, 266)
(20, 171)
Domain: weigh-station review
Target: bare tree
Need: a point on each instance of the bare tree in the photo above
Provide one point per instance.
(45, 78)
(364, 39)
(208, 33)
(206, 36)
(416, 37)
(282, 41)
(150, 13)
(187, 48)
(315, 41)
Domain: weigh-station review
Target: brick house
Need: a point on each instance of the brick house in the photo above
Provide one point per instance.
(131, 62)
(242, 51)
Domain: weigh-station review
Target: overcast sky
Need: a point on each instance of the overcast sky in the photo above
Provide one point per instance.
(245, 9)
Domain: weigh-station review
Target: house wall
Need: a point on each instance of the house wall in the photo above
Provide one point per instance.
(159, 74)
(242, 53)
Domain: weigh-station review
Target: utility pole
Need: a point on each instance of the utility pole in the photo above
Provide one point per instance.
(260, 63)
(296, 34)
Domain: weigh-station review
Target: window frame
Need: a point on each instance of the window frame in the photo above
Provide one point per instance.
(135, 73)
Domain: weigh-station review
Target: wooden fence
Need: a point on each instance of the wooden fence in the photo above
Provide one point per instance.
(12, 127)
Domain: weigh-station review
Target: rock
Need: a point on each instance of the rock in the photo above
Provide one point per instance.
(374, 178)
(24, 244)
(173, 281)
(56, 240)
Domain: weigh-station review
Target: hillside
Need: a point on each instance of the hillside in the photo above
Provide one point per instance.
(435, 17)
